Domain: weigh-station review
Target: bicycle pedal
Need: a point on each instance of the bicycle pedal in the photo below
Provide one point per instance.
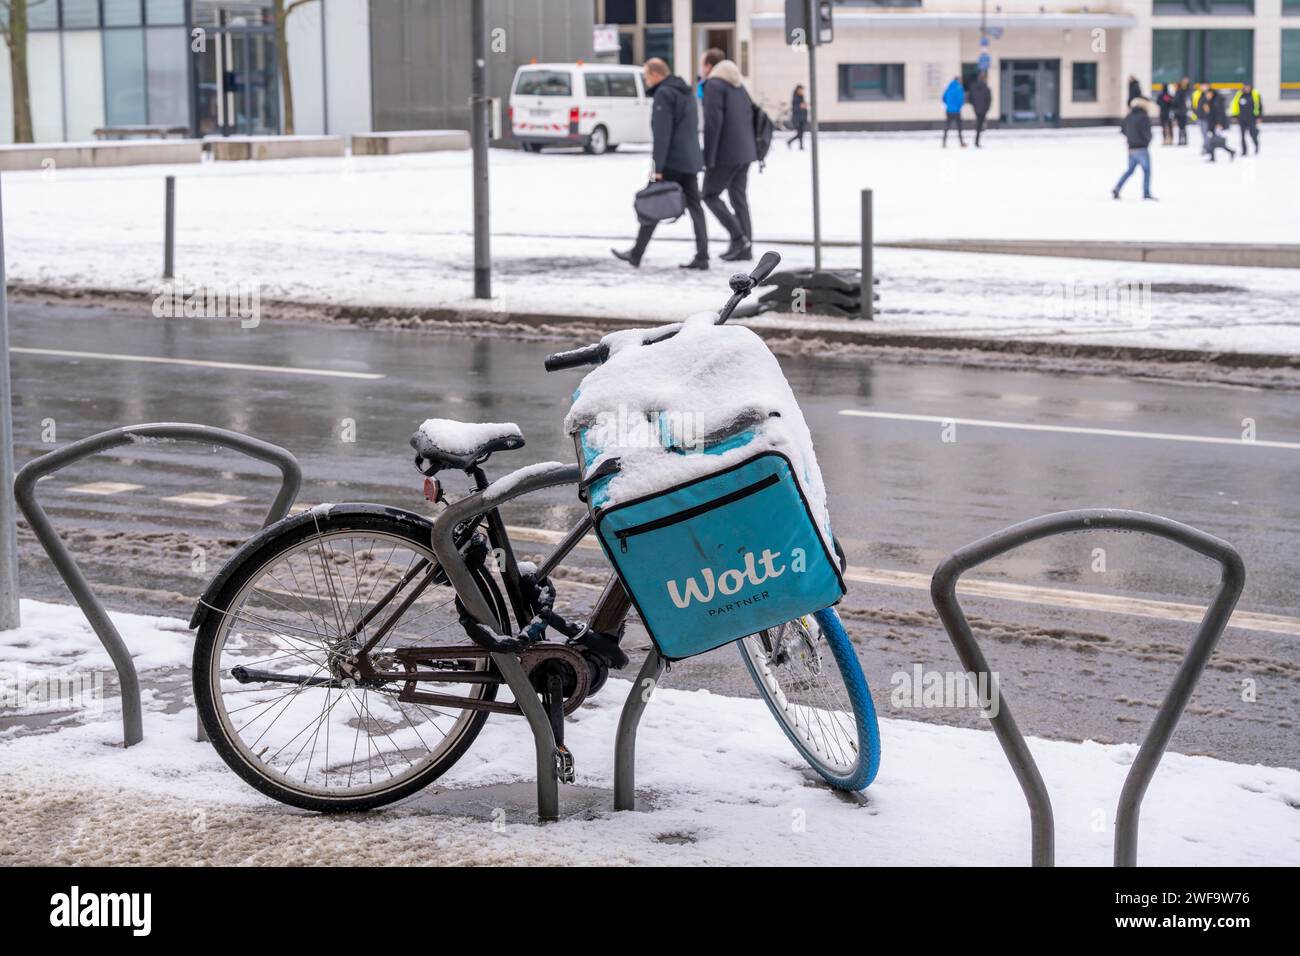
(564, 771)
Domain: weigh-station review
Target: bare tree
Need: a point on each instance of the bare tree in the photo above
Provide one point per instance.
(13, 26)
(281, 10)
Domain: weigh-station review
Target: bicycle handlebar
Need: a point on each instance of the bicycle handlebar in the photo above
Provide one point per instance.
(742, 284)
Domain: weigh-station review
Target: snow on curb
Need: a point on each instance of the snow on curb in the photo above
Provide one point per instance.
(724, 784)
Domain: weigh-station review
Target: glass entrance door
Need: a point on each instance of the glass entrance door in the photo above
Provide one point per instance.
(236, 82)
(1031, 92)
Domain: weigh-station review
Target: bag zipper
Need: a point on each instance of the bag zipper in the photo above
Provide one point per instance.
(694, 511)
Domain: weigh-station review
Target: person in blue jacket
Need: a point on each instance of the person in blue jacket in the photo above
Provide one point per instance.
(954, 98)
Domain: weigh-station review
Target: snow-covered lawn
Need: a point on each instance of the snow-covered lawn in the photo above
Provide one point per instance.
(394, 231)
(723, 783)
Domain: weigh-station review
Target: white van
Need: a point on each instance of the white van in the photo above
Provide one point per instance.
(598, 106)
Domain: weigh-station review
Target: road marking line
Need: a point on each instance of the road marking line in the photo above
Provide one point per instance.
(200, 363)
(1019, 593)
(104, 488)
(204, 499)
(1069, 429)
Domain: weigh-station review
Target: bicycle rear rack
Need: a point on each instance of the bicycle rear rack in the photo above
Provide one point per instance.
(25, 494)
(943, 591)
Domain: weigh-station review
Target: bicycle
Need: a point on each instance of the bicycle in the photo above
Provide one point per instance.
(346, 626)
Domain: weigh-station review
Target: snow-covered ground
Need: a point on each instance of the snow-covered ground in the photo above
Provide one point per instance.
(723, 784)
(394, 231)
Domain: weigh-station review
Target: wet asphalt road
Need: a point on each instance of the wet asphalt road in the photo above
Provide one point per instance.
(902, 496)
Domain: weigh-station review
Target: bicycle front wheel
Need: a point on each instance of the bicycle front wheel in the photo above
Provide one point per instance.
(810, 677)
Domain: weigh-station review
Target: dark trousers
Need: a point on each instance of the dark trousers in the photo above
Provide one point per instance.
(1249, 126)
(1182, 128)
(979, 125)
(691, 191)
(799, 128)
(953, 119)
(733, 179)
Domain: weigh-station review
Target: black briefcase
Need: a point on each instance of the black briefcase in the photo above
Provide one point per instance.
(660, 202)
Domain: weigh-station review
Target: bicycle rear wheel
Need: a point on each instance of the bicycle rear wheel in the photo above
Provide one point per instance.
(809, 676)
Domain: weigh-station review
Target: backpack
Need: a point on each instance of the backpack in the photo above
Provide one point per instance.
(764, 130)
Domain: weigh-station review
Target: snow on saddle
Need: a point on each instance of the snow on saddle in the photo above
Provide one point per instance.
(441, 443)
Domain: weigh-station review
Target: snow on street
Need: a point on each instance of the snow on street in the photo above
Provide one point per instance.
(723, 786)
(394, 231)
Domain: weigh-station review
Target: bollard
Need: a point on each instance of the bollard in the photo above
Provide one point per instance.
(868, 243)
(169, 230)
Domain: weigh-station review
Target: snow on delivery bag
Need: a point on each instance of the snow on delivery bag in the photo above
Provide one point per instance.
(706, 495)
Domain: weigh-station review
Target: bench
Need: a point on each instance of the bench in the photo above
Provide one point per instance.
(408, 141)
(114, 153)
(141, 131)
(235, 148)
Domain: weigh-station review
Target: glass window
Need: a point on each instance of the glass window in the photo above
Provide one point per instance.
(121, 13)
(620, 11)
(124, 97)
(713, 11)
(1219, 7)
(167, 57)
(1290, 8)
(597, 84)
(626, 48)
(658, 11)
(1229, 55)
(659, 42)
(1169, 56)
(1083, 84)
(164, 12)
(41, 14)
(80, 13)
(871, 81)
(622, 84)
(1290, 65)
(544, 83)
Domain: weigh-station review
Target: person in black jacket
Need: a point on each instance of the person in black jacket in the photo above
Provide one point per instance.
(1137, 133)
(1249, 110)
(1181, 93)
(1134, 89)
(1165, 99)
(1214, 117)
(980, 98)
(674, 128)
(798, 116)
(729, 148)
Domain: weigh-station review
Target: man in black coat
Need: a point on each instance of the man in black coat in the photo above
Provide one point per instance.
(1137, 133)
(980, 98)
(729, 148)
(1213, 114)
(674, 128)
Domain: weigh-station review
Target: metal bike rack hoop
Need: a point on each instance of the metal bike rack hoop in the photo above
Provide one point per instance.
(943, 592)
(25, 494)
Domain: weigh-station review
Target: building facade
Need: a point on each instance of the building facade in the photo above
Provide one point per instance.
(1050, 62)
(211, 66)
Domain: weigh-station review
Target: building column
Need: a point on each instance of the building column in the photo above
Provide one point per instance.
(683, 27)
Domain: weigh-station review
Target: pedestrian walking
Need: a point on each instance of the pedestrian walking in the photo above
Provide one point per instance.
(674, 130)
(1134, 89)
(729, 148)
(1181, 104)
(798, 116)
(1214, 116)
(954, 98)
(1137, 134)
(1202, 116)
(981, 99)
(1166, 103)
(1249, 110)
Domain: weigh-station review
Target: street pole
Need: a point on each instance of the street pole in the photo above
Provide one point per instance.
(169, 228)
(812, 116)
(868, 255)
(479, 140)
(8, 511)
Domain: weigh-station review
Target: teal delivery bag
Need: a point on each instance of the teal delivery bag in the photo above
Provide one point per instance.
(719, 557)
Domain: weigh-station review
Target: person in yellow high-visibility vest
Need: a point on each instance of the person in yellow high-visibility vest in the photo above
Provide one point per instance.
(1249, 110)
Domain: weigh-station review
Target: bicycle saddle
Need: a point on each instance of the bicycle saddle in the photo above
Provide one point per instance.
(441, 443)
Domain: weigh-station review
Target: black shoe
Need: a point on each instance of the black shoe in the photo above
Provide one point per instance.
(630, 257)
(738, 251)
(1115, 193)
(1151, 198)
(699, 262)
